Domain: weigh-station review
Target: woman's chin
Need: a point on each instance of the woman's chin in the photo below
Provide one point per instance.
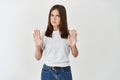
(54, 25)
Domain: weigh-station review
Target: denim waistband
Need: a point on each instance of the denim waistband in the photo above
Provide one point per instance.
(56, 67)
(56, 73)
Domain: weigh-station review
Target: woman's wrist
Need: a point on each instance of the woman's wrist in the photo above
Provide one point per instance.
(39, 48)
(73, 46)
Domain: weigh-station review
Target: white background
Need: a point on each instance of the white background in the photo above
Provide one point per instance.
(98, 26)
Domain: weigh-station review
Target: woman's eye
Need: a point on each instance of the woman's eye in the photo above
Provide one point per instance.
(58, 16)
(52, 15)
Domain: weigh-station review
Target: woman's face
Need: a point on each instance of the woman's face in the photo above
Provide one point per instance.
(55, 18)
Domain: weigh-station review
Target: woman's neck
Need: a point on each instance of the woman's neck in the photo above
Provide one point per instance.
(56, 28)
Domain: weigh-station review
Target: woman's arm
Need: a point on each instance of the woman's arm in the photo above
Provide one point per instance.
(74, 51)
(38, 53)
(72, 39)
(38, 44)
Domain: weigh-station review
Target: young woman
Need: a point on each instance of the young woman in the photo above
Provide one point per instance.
(56, 44)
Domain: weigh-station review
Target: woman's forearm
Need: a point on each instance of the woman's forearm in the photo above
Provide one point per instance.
(74, 51)
(38, 53)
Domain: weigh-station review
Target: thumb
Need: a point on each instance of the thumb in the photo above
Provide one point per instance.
(68, 38)
(42, 37)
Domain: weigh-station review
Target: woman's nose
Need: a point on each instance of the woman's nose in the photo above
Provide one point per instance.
(54, 17)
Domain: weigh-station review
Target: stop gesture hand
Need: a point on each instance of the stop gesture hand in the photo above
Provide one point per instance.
(72, 38)
(37, 38)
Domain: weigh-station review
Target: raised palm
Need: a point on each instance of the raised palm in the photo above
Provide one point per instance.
(37, 38)
(72, 38)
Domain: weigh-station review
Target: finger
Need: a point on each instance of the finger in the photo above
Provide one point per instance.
(33, 33)
(73, 30)
(34, 36)
(68, 37)
(74, 33)
(42, 37)
(37, 33)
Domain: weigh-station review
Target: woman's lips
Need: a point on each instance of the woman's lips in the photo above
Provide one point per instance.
(54, 22)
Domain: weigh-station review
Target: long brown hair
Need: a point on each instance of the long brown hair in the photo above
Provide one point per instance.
(63, 22)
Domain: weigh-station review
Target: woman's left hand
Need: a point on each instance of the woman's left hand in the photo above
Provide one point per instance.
(72, 38)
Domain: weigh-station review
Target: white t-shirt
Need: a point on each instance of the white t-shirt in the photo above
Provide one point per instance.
(56, 50)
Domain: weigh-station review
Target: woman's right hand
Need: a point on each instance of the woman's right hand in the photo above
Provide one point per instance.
(37, 38)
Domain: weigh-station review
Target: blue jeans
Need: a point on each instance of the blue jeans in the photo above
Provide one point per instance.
(56, 73)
